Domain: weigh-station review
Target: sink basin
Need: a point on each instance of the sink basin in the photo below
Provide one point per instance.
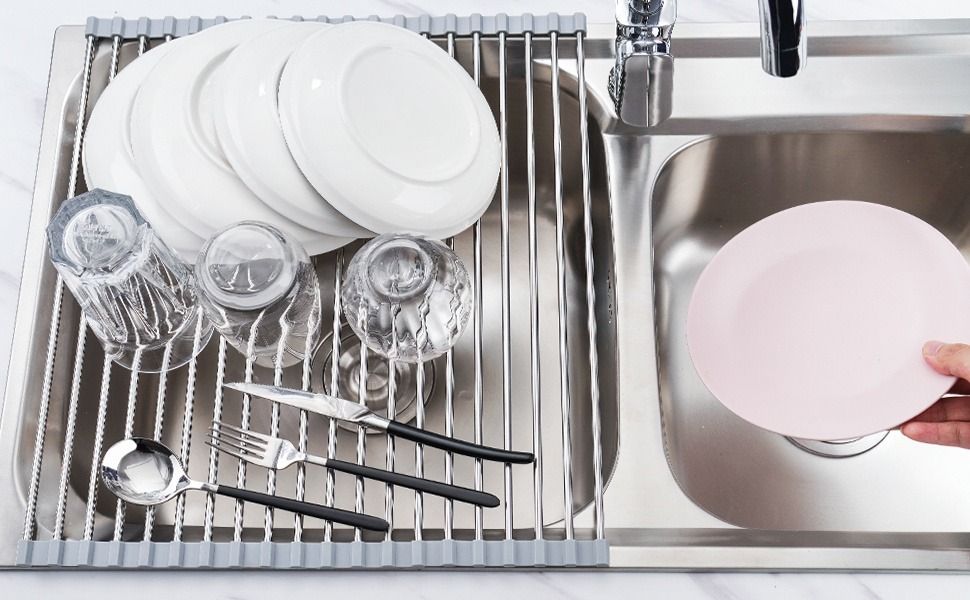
(706, 194)
(694, 485)
(878, 114)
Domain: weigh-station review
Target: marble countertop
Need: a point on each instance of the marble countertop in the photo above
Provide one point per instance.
(24, 58)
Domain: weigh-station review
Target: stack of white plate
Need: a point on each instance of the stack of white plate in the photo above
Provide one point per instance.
(328, 132)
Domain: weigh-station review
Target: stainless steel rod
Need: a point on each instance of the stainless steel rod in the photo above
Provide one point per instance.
(506, 289)
(91, 504)
(536, 388)
(247, 400)
(304, 430)
(594, 389)
(159, 425)
(274, 419)
(334, 386)
(162, 392)
(419, 450)
(82, 109)
(43, 411)
(186, 437)
(129, 431)
(313, 326)
(450, 389)
(389, 455)
(115, 55)
(271, 473)
(70, 429)
(361, 435)
(477, 323)
(30, 516)
(567, 454)
(450, 431)
(391, 414)
(213, 477)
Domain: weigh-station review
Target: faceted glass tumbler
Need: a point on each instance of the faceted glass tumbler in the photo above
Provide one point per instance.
(259, 288)
(138, 298)
(407, 298)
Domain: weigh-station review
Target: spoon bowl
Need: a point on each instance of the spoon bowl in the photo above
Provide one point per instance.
(142, 471)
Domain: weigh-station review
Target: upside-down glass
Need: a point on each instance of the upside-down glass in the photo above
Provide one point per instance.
(258, 287)
(406, 297)
(138, 298)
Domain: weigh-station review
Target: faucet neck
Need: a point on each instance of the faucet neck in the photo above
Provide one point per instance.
(646, 24)
(644, 7)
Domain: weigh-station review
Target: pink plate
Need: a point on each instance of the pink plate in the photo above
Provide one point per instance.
(810, 323)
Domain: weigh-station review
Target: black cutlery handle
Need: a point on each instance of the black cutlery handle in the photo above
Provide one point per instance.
(307, 508)
(416, 483)
(458, 446)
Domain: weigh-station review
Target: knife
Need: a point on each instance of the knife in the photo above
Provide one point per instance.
(353, 412)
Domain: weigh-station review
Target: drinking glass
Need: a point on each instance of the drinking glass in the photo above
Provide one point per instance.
(406, 297)
(259, 288)
(137, 297)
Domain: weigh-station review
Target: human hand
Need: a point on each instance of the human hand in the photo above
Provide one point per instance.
(948, 421)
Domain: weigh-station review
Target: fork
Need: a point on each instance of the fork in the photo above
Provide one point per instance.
(276, 453)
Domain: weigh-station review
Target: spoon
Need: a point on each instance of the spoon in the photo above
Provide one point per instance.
(145, 472)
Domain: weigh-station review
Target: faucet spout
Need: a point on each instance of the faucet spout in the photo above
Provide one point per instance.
(782, 36)
(641, 81)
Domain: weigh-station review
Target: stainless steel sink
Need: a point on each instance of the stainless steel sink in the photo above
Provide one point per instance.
(695, 486)
(877, 114)
(706, 194)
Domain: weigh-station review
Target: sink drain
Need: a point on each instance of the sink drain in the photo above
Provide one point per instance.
(375, 393)
(840, 448)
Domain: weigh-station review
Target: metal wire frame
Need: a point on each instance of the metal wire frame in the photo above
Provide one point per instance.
(477, 239)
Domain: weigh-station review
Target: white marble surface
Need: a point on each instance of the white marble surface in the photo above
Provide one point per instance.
(24, 57)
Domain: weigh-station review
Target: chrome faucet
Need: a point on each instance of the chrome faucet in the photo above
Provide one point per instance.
(642, 80)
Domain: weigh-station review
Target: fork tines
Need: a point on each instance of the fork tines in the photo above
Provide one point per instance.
(218, 426)
(240, 443)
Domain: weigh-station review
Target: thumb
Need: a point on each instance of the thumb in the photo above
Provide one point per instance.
(950, 433)
(948, 359)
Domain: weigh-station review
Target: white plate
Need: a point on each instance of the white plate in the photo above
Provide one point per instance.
(108, 161)
(249, 131)
(175, 145)
(810, 322)
(390, 129)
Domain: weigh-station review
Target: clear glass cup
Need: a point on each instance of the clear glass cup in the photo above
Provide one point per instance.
(406, 297)
(259, 288)
(138, 298)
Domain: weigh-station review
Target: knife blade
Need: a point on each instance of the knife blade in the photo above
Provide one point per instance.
(321, 404)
